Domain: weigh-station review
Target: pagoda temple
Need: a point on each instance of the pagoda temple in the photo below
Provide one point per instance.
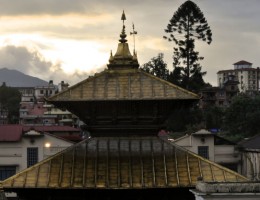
(123, 108)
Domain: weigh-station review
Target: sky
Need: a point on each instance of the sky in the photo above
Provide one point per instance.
(65, 40)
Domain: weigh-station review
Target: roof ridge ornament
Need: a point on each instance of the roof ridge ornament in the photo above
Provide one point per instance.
(133, 33)
(123, 35)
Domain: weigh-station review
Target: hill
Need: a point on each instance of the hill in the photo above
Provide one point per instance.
(14, 78)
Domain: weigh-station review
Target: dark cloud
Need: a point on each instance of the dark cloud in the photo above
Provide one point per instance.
(38, 7)
(58, 7)
(33, 63)
(20, 58)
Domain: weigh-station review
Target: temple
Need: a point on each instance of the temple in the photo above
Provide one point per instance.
(124, 109)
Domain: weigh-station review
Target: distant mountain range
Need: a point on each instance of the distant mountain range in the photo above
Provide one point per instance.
(14, 78)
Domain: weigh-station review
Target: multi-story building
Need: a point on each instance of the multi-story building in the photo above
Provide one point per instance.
(27, 94)
(41, 92)
(246, 75)
(34, 110)
(220, 96)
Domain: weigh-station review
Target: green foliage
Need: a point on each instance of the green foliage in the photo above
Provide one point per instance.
(214, 117)
(185, 119)
(187, 24)
(242, 118)
(157, 67)
(10, 101)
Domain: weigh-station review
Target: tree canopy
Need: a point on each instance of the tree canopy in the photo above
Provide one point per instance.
(242, 117)
(187, 25)
(10, 102)
(157, 67)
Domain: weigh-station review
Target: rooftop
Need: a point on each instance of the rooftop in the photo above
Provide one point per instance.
(122, 163)
(13, 133)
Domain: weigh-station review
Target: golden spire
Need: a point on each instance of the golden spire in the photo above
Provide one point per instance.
(123, 35)
(123, 58)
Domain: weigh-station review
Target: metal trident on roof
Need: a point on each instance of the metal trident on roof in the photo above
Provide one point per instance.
(133, 33)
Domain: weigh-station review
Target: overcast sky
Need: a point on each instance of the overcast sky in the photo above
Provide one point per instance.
(70, 40)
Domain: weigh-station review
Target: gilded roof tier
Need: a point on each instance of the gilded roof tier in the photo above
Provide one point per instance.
(123, 81)
(122, 163)
(124, 84)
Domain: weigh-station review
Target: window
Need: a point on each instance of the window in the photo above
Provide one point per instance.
(221, 103)
(203, 151)
(32, 156)
(6, 172)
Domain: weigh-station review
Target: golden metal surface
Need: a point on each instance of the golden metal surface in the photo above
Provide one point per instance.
(122, 163)
(128, 84)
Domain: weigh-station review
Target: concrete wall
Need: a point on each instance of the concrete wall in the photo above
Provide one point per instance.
(251, 165)
(221, 154)
(15, 153)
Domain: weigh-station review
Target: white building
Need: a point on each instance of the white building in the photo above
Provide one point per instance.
(20, 149)
(246, 75)
(41, 92)
(212, 147)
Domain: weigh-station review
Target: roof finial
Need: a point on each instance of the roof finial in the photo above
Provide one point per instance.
(133, 33)
(123, 17)
(123, 35)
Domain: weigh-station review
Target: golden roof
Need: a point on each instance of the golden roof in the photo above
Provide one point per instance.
(122, 163)
(124, 84)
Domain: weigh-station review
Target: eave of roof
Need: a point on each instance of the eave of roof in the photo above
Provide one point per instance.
(123, 84)
(242, 62)
(121, 163)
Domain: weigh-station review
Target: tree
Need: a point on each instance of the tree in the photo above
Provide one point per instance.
(157, 67)
(242, 118)
(214, 117)
(10, 102)
(185, 118)
(187, 24)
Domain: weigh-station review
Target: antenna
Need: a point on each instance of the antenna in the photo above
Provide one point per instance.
(133, 33)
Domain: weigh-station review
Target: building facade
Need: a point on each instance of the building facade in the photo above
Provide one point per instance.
(220, 96)
(246, 75)
(212, 147)
(23, 147)
(34, 110)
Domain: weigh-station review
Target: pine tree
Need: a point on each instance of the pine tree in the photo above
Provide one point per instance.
(187, 25)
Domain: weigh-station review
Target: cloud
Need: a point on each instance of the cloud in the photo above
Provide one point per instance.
(233, 23)
(60, 7)
(33, 63)
(37, 7)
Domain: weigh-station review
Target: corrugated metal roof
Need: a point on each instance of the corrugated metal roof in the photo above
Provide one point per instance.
(124, 84)
(13, 132)
(10, 133)
(122, 163)
(52, 128)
